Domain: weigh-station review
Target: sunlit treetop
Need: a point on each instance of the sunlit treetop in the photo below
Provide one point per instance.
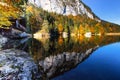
(9, 9)
(14, 2)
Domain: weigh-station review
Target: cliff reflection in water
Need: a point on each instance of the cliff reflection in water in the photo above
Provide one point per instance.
(55, 56)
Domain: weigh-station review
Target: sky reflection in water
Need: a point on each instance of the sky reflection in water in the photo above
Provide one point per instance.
(103, 64)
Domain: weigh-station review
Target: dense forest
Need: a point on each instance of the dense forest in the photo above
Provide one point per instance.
(48, 22)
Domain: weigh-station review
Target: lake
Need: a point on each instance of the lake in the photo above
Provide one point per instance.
(103, 64)
(74, 58)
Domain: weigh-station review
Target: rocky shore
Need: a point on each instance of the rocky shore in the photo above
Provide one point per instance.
(17, 65)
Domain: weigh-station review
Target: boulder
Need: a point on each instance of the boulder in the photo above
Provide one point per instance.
(16, 65)
(3, 40)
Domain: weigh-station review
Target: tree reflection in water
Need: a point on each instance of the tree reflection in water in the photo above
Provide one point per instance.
(57, 55)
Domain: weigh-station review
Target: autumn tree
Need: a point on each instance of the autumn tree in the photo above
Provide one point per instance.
(34, 20)
(81, 29)
(7, 12)
(60, 28)
(9, 9)
(92, 30)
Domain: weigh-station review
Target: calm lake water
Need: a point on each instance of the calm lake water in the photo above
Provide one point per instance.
(74, 58)
(103, 64)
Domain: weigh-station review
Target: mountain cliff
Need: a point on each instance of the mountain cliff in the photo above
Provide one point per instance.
(65, 7)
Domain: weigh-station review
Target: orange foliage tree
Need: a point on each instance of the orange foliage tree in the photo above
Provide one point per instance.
(60, 28)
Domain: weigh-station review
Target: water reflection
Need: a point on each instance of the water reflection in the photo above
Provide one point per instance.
(103, 64)
(62, 54)
(57, 55)
(53, 46)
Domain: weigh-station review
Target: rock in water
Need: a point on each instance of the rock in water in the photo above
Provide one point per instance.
(3, 40)
(24, 34)
(16, 65)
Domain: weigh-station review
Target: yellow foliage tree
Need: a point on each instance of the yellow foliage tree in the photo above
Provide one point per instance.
(33, 17)
(92, 29)
(81, 29)
(8, 11)
(60, 28)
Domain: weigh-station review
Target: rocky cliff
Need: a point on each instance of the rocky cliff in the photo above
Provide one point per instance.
(65, 7)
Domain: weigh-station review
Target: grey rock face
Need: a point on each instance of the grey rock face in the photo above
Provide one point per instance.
(16, 65)
(65, 7)
(3, 40)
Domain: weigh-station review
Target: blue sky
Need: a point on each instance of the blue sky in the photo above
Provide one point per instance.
(108, 10)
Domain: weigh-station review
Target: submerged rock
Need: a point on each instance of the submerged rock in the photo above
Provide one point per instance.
(16, 65)
(3, 40)
(17, 34)
(24, 34)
